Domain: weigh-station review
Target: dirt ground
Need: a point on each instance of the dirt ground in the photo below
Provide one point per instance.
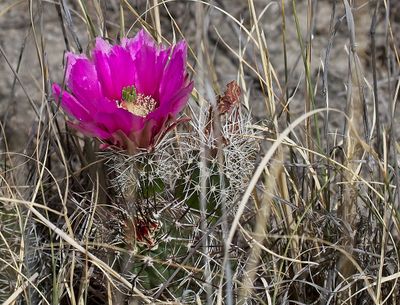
(21, 32)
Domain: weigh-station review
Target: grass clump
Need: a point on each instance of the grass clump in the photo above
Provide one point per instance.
(282, 188)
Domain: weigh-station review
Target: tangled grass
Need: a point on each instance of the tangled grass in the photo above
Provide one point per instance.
(290, 198)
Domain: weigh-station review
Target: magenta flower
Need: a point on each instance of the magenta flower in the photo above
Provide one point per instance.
(127, 95)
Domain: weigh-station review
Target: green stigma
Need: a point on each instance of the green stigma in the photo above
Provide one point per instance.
(129, 94)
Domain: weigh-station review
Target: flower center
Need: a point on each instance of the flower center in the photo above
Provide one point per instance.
(137, 103)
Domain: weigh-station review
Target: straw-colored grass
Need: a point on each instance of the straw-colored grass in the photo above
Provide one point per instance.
(290, 199)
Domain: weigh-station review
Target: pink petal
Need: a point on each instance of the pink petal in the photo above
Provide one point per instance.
(142, 38)
(177, 103)
(144, 137)
(90, 129)
(82, 80)
(174, 74)
(122, 69)
(100, 57)
(115, 68)
(149, 69)
(105, 124)
(71, 59)
(71, 105)
(149, 63)
(120, 119)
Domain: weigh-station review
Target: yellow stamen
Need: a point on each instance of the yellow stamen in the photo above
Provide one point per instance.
(141, 106)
